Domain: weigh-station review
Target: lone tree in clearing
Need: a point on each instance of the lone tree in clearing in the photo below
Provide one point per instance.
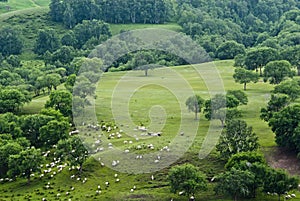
(244, 76)
(194, 104)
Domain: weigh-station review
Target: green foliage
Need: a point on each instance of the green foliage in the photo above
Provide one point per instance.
(186, 178)
(229, 49)
(194, 104)
(73, 151)
(276, 71)
(47, 40)
(238, 94)
(278, 181)
(258, 58)
(72, 12)
(236, 183)
(283, 124)
(221, 107)
(10, 41)
(275, 104)
(11, 100)
(237, 137)
(27, 162)
(54, 131)
(244, 76)
(61, 101)
(289, 87)
(251, 157)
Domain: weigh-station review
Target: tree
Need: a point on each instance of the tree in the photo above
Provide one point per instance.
(142, 61)
(69, 84)
(289, 87)
(10, 148)
(221, 107)
(11, 100)
(73, 151)
(291, 54)
(258, 58)
(194, 104)
(54, 131)
(237, 137)
(186, 178)
(230, 49)
(283, 124)
(62, 101)
(25, 163)
(278, 181)
(239, 95)
(275, 104)
(47, 40)
(276, 71)
(253, 162)
(236, 183)
(10, 41)
(31, 125)
(244, 76)
(51, 81)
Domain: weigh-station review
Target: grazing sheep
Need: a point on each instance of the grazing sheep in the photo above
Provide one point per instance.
(116, 175)
(293, 195)
(117, 180)
(131, 190)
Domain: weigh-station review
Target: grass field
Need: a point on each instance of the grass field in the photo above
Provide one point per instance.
(14, 5)
(140, 103)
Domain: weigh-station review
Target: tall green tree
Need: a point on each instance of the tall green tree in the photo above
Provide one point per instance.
(244, 76)
(73, 151)
(278, 181)
(289, 87)
(276, 71)
(230, 49)
(283, 124)
(47, 40)
(194, 104)
(27, 161)
(10, 41)
(61, 101)
(236, 183)
(54, 131)
(11, 100)
(237, 137)
(186, 178)
(257, 58)
(275, 104)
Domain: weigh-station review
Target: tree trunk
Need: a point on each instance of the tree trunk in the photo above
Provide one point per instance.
(196, 117)
(28, 179)
(245, 86)
(146, 72)
(278, 197)
(260, 71)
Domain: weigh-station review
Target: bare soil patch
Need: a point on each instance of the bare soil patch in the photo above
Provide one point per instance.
(278, 157)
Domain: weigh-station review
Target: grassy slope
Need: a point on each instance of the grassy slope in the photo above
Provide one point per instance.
(15, 5)
(146, 189)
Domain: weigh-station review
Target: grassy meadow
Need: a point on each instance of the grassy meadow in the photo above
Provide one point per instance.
(145, 105)
(14, 5)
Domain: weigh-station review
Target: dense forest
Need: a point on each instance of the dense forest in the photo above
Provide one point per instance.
(41, 56)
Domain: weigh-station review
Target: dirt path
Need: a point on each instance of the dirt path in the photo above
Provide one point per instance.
(282, 158)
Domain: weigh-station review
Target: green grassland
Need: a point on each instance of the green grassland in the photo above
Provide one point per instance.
(14, 5)
(140, 103)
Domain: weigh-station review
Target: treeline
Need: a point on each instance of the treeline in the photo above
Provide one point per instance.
(71, 12)
(249, 23)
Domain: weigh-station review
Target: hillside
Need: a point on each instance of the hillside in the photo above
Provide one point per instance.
(92, 111)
